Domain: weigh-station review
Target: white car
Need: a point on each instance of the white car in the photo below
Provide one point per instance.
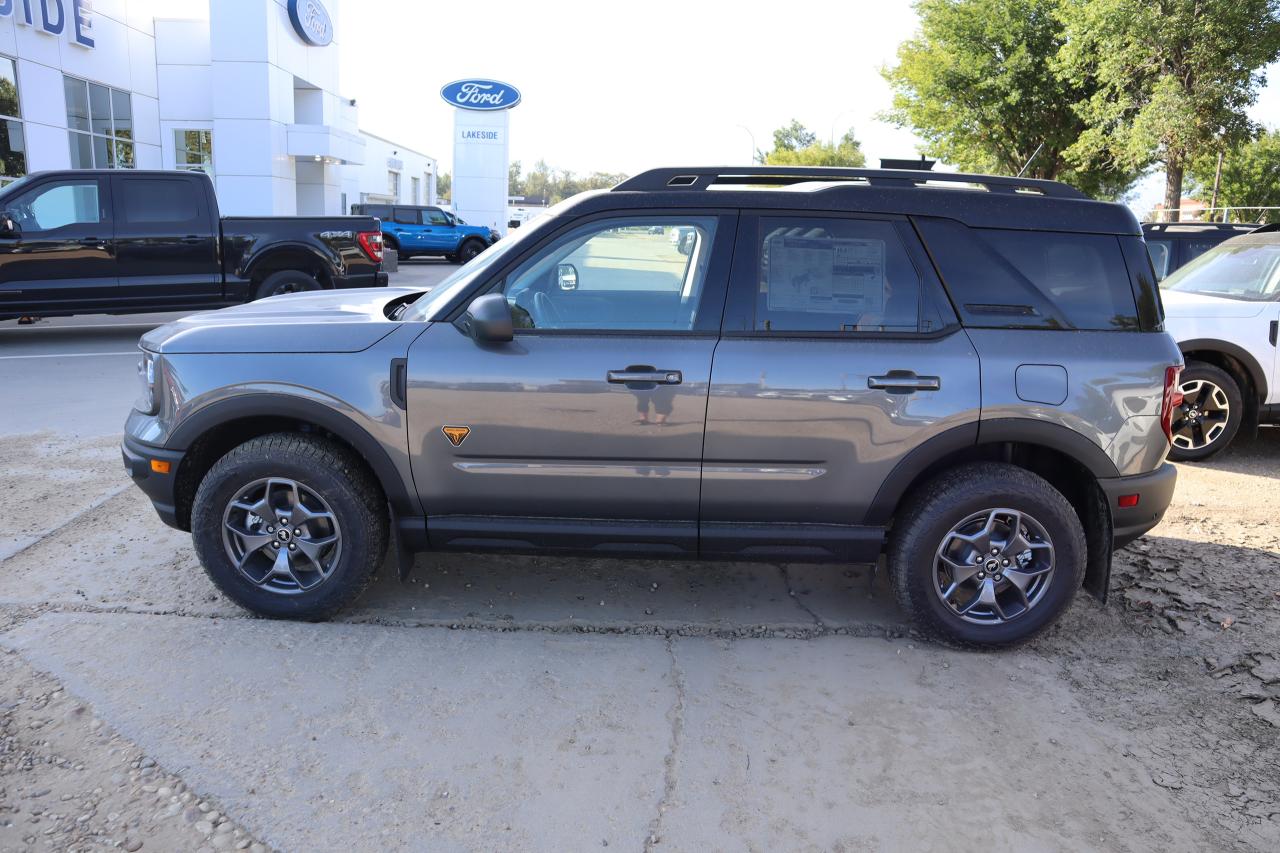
(1224, 310)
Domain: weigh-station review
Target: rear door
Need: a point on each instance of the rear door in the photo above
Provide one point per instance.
(406, 227)
(63, 255)
(166, 240)
(586, 430)
(840, 355)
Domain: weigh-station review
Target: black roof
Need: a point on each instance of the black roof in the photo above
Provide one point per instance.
(982, 201)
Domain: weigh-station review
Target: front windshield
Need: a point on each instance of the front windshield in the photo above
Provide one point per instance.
(427, 305)
(1244, 268)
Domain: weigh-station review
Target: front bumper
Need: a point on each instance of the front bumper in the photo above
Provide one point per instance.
(1154, 491)
(161, 488)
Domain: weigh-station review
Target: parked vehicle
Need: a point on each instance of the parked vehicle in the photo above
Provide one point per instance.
(976, 383)
(1224, 311)
(124, 241)
(415, 231)
(1175, 244)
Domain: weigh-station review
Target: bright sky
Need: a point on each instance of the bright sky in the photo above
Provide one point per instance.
(624, 87)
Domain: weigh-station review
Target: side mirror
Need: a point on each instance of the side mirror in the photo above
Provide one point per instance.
(567, 277)
(8, 225)
(488, 319)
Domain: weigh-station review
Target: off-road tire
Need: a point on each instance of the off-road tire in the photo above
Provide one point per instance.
(1203, 371)
(331, 471)
(469, 250)
(929, 516)
(285, 281)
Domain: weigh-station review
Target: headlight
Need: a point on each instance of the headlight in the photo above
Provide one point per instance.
(147, 379)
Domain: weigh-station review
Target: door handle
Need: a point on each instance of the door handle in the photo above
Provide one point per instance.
(192, 238)
(645, 374)
(904, 382)
(91, 241)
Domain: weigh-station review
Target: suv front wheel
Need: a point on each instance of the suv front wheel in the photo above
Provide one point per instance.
(987, 554)
(290, 526)
(1210, 414)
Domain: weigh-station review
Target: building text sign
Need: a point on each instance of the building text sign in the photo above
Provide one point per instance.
(483, 95)
(55, 17)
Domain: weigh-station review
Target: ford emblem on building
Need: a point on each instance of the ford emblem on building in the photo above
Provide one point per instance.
(480, 94)
(312, 21)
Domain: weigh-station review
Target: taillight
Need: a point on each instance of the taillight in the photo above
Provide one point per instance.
(371, 242)
(1171, 400)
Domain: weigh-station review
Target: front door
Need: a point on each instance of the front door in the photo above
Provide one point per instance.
(62, 257)
(166, 241)
(585, 431)
(840, 355)
(439, 231)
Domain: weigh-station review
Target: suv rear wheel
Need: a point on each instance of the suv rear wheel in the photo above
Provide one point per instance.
(290, 526)
(1210, 415)
(987, 554)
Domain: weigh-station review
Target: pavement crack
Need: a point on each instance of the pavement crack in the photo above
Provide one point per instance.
(36, 540)
(676, 715)
(786, 579)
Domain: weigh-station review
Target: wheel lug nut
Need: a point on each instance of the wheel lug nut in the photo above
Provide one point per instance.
(1004, 562)
(982, 575)
(995, 551)
(998, 577)
(297, 531)
(271, 530)
(275, 545)
(292, 547)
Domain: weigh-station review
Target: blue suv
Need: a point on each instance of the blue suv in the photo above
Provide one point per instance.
(416, 230)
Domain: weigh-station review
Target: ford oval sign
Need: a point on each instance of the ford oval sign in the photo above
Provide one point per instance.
(312, 22)
(480, 94)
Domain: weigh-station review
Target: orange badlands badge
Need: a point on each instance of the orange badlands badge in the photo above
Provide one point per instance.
(456, 435)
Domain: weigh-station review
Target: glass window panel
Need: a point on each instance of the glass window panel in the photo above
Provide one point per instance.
(9, 88)
(151, 200)
(77, 94)
(122, 110)
(102, 153)
(57, 205)
(99, 109)
(81, 151)
(123, 156)
(13, 149)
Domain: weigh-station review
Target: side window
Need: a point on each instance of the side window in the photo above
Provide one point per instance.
(406, 216)
(834, 275)
(54, 206)
(614, 275)
(1193, 249)
(1160, 256)
(432, 216)
(160, 201)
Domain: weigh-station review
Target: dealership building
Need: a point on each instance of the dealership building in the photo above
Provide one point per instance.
(249, 95)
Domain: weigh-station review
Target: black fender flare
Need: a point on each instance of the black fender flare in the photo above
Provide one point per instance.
(402, 498)
(260, 256)
(975, 434)
(1256, 374)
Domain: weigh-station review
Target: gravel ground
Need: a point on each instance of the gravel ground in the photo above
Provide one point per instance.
(729, 707)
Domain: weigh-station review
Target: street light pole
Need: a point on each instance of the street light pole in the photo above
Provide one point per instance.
(752, 159)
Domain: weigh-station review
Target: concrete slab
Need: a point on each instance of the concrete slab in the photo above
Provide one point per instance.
(330, 737)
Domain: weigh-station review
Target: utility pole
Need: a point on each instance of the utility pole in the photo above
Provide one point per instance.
(752, 159)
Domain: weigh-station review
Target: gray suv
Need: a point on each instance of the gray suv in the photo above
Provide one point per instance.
(966, 374)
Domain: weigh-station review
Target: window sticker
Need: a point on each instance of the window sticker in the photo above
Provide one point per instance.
(825, 275)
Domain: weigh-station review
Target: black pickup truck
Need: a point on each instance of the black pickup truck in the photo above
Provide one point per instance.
(122, 242)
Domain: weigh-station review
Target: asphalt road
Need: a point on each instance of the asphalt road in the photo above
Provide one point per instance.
(77, 375)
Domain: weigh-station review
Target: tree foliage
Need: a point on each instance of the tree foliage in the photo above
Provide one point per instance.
(796, 145)
(444, 188)
(554, 185)
(1169, 77)
(1250, 177)
(979, 84)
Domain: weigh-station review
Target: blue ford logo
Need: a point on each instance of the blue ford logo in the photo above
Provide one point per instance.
(480, 94)
(312, 22)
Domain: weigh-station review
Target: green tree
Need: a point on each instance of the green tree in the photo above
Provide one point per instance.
(796, 145)
(444, 187)
(1169, 77)
(1250, 177)
(515, 184)
(978, 84)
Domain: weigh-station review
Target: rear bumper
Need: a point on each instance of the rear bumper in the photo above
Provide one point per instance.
(1154, 491)
(373, 279)
(159, 487)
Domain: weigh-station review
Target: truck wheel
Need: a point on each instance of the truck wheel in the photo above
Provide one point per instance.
(285, 281)
(1210, 415)
(469, 250)
(290, 526)
(986, 555)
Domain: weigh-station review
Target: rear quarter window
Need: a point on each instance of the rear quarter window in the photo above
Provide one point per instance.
(1033, 279)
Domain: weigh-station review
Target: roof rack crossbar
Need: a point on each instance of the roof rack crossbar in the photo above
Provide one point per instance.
(702, 177)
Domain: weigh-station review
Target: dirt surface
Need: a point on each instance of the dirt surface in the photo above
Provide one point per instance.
(518, 703)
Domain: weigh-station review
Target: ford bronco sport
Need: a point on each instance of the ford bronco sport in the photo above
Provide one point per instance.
(967, 374)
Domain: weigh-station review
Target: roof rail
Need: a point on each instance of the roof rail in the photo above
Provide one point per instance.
(704, 177)
(1267, 228)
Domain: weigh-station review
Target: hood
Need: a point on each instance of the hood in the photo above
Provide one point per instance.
(1180, 303)
(317, 321)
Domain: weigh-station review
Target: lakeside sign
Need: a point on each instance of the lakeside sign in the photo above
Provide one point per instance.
(54, 17)
(483, 95)
(311, 21)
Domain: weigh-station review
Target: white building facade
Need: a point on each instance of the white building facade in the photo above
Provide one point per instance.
(249, 95)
